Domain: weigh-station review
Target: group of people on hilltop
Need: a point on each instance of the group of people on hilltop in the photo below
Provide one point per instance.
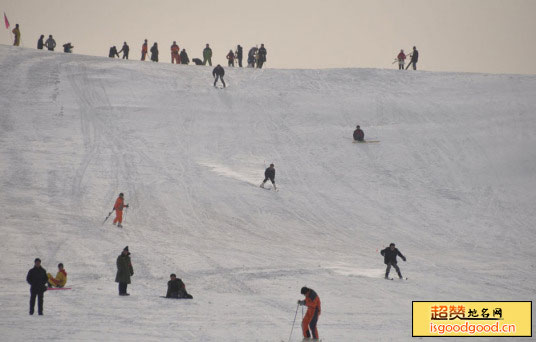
(401, 59)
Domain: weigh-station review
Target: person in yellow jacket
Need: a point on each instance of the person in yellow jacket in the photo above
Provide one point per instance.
(16, 32)
(61, 277)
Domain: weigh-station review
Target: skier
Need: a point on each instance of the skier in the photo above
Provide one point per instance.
(124, 271)
(390, 254)
(239, 55)
(125, 49)
(176, 288)
(40, 42)
(269, 173)
(262, 56)
(144, 50)
(50, 43)
(61, 277)
(414, 59)
(113, 52)
(118, 207)
(401, 58)
(16, 32)
(218, 73)
(207, 56)
(184, 57)
(359, 135)
(312, 301)
(37, 278)
(251, 57)
(68, 48)
(231, 57)
(154, 52)
(175, 57)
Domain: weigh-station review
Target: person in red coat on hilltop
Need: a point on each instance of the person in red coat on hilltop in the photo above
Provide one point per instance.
(312, 301)
(401, 59)
(118, 207)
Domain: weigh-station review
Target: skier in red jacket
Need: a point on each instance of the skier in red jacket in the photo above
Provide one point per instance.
(401, 58)
(312, 301)
(118, 207)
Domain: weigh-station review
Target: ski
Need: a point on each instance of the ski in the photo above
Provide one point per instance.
(365, 141)
(58, 288)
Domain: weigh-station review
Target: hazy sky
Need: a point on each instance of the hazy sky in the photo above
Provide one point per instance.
(496, 36)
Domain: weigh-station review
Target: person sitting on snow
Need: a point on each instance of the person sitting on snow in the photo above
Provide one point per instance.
(359, 135)
(176, 288)
(61, 277)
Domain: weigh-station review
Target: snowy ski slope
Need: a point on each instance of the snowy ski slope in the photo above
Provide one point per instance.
(452, 183)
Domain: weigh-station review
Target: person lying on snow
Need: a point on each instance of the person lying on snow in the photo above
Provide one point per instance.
(176, 288)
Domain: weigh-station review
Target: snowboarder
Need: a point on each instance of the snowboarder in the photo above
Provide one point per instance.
(125, 49)
(197, 61)
(312, 301)
(401, 58)
(68, 48)
(218, 73)
(176, 288)
(61, 277)
(390, 254)
(118, 207)
(269, 173)
(175, 57)
(144, 50)
(40, 42)
(239, 55)
(252, 57)
(37, 278)
(154, 52)
(359, 135)
(231, 57)
(184, 57)
(124, 271)
(414, 59)
(50, 43)
(113, 52)
(207, 56)
(16, 32)
(261, 56)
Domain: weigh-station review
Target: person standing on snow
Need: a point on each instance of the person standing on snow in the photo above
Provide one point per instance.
(414, 59)
(207, 55)
(252, 57)
(144, 50)
(118, 207)
(261, 56)
(390, 253)
(124, 271)
(37, 278)
(401, 58)
(269, 173)
(61, 277)
(176, 288)
(50, 43)
(184, 57)
(312, 301)
(125, 49)
(40, 42)
(231, 57)
(239, 55)
(154, 52)
(218, 73)
(16, 32)
(359, 135)
(175, 57)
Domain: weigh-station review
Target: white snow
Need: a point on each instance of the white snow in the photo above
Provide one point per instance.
(452, 183)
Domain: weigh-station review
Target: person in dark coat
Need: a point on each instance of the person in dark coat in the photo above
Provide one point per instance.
(231, 57)
(37, 278)
(184, 57)
(154, 52)
(207, 55)
(239, 55)
(176, 288)
(218, 73)
(197, 61)
(68, 48)
(124, 271)
(40, 42)
(252, 54)
(125, 49)
(50, 43)
(390, 253)
(414, 59)
(262, 56)
(359, 135)
(113, 52)
(269, 173)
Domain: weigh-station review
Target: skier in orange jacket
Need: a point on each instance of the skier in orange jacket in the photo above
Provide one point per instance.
(144, 50)
(118, 207)
(312, 301)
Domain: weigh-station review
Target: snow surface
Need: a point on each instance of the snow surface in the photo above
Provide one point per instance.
(452, 183)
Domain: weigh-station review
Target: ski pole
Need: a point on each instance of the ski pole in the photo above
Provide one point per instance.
(125, 218)
(291, 330)
(110, 213)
